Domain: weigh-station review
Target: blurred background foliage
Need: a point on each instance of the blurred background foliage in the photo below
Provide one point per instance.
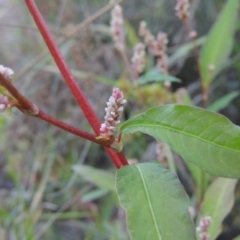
(46, 189)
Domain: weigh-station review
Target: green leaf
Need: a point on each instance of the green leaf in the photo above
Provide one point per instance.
(100, 178)
(223, 102)
(155, 202)
(218, 202)
(198, 179)
(204, 138)
(237, 238)
(3, 121)
(182, 51)
(94, 195)
(155, 76)
(219, 43)
(131, 35)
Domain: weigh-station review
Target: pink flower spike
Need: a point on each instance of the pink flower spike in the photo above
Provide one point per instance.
(138, 59)
(146, 34)
(114, 111)
(117, 27)
(6, 72)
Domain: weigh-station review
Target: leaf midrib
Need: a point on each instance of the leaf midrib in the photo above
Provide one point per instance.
(186, 133)
(150, 205)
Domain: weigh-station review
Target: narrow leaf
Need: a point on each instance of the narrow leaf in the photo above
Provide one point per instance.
(223, 102)
(219, 42)
(183, 51)
(204, 138)
(155, 76)
(237, 238)
(218, 202)
(197, 177)
(131, 34)
(100, 178)
(155, 202)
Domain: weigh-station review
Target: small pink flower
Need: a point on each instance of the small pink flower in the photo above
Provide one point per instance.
(159, 49)
(203, 228)
(160, 52)
(193, 34)
(157, 46)
(138, 59)
(6, 72)
(113, 110)
(204, 236)
(182, 8)
(4, 100)
(4, 103)
(146, 34)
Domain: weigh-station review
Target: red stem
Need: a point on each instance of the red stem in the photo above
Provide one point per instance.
(118, 159)
(45, 117)
(25, 106)
(25, 103)
(66, 126)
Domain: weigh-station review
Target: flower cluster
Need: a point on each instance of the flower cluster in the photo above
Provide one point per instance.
(6, 72)
(4, 103)
(182, 9)
(203, 228)
(160, 50)
(157, 46)
(146, 34)
(117, 29)
(113, 110)
(138, 59)
(4, 100)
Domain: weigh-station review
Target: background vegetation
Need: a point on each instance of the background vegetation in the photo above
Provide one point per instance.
(45, 191)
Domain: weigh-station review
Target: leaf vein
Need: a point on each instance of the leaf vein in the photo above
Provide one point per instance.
(150, 205)
(179, 131)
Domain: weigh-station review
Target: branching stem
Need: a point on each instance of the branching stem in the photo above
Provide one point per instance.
(27, 107)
